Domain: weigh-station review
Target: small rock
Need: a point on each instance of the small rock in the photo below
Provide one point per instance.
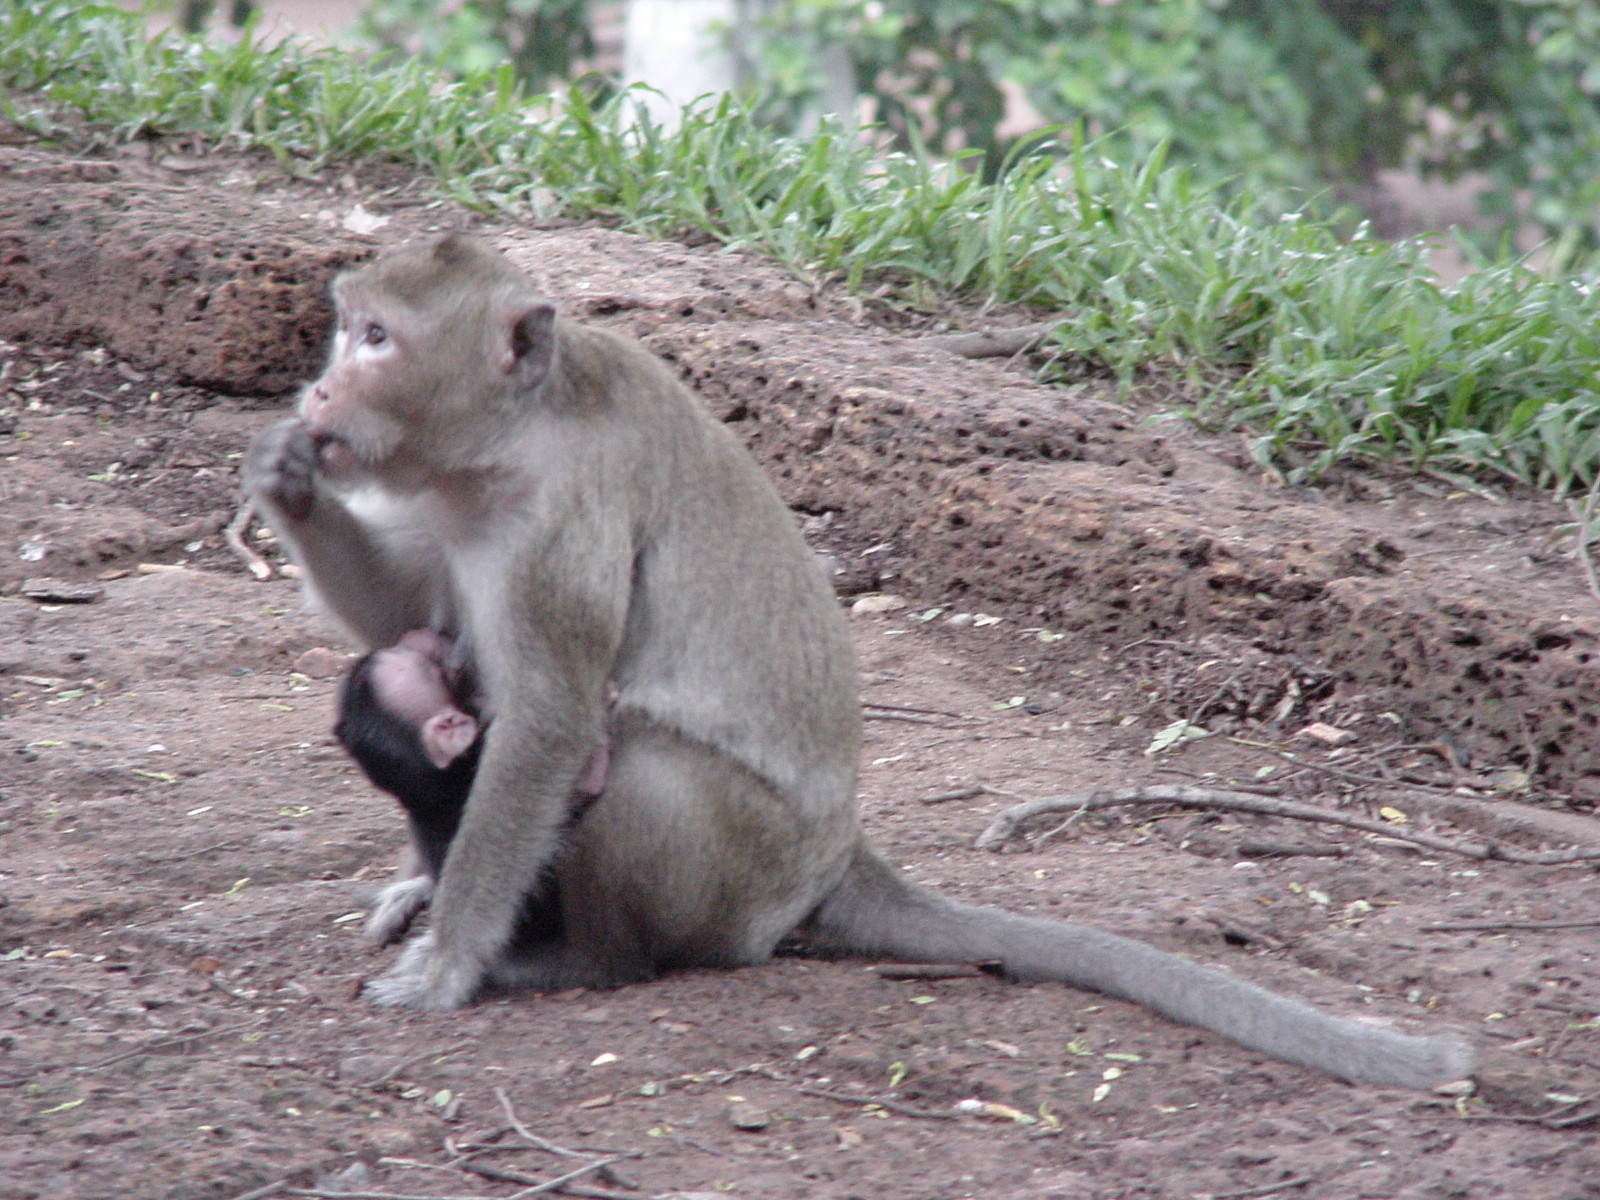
(1511, 1086)
(786, 1033)
(877, 602)
(392, 1141)
(357, 1177)
(321, 662)
(359, 220)
(1327, 734)
(848, 579)
(47, 590)
(751, 1118)
(365, 1068)
(959, 620)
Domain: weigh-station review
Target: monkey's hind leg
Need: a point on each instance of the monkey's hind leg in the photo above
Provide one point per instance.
(557, 966)
(687, 859)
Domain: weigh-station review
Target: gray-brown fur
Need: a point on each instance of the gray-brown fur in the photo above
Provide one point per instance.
(554, 495)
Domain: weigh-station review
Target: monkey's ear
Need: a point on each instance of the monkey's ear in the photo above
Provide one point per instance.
(447, 735)
(530, 341)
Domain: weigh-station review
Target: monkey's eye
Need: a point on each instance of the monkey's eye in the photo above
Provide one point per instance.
(375, 335)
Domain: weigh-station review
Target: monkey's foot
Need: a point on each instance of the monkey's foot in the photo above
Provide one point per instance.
(421, 981)
(396, 907)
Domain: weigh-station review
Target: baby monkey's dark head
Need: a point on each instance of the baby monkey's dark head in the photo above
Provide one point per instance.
(402, 721)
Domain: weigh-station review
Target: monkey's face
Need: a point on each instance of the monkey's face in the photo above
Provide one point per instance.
(431, 343)
(359, 411)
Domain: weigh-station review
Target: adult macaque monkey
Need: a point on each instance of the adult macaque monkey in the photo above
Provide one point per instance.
(471, 462)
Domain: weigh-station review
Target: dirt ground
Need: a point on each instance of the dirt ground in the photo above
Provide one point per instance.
(187, 854)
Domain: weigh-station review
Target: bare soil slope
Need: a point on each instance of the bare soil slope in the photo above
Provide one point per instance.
(186, 850)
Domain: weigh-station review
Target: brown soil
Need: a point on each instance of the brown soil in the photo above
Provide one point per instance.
(185, 847)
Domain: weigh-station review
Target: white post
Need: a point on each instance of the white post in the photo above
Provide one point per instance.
(680, 48)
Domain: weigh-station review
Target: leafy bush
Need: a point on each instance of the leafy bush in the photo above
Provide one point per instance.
(1135, 75)
(1279, 99)
(545, 41)
(1288, 101)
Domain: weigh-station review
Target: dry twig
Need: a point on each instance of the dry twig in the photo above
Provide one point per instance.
(234, 536)
(1267, 1189)
(1259, 789)
(993, 343)
(160, 1044)
(203, 851)
(526, 1134)
(928, 970)
(908, 718)
(1326, 768)
(679, 1140)
(550, 1147)
(231, 993)
(965, 793)
(977, 737)
(1569, 1006)
(414, 1060)
(894, 1106)
(1566, 1115)
(338, 1192)
(1497, 926)
(541, 1186)
(926, 712)
(1006, 824)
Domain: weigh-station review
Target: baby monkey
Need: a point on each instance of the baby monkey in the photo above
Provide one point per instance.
(410, 717)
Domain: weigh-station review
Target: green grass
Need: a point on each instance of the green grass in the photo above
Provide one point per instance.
(1328, 349)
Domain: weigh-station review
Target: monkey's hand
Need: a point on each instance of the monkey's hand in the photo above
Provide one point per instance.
(281, 468)
(396, 907)
(417, 981)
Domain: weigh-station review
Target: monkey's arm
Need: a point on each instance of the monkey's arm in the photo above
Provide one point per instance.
(509, 834)
(550, 636)
(360, 581)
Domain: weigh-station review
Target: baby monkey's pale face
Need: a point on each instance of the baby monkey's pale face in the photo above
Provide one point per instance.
(412, 680)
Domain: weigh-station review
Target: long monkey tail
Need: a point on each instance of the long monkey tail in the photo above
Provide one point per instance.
(877, 910)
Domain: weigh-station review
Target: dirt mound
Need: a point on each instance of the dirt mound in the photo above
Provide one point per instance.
(983, 487)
